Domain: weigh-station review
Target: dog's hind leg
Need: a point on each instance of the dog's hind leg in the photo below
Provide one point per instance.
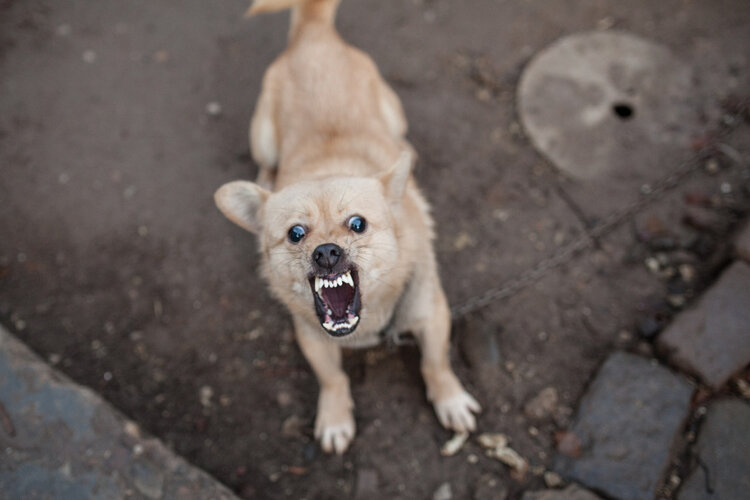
(391, 110)
(264, 141)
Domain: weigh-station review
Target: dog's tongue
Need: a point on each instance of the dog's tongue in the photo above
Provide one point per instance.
(338, 299)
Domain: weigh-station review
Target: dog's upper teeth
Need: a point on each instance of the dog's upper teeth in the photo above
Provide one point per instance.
(347, 278)
(318, 284)
(339, 281)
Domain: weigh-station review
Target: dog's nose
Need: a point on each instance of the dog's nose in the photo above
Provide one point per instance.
(327, 255)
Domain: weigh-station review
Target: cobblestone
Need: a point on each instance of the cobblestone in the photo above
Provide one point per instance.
(723, 453)
(711, 339)
(627, 422)
(60, 440)
(742, 243)
(572, 492)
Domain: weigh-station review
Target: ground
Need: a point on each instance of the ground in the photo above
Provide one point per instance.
(119, 120)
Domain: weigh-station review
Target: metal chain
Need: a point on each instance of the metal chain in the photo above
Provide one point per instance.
(650, 193)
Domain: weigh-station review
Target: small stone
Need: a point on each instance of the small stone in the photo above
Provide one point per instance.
(89, 56)
(712, 166)
(543, 404)
(132, 429)
(444, 492)
(54, 358)
(687, 272)
(568, 444)
(472, 459)
(743, 387)
(205, 395)
(463, 240)
(63, 30)
(552, 479)
(293, 426)
(213, 108)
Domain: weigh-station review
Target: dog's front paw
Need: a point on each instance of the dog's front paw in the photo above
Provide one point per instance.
(334, 424)
(455, 412)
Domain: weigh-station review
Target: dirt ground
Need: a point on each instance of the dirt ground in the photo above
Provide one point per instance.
(116, 267)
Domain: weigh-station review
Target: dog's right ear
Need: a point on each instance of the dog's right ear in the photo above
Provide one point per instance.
(241, 202)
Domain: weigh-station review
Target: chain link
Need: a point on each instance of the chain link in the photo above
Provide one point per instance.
(650, 193)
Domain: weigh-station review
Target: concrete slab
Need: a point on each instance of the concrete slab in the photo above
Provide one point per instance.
(712, 340)
(60, 440)
(626, 424)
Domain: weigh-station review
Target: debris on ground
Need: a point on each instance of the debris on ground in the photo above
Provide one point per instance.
(497, 447)
(444, 492)
(454, 444)
(543, 404)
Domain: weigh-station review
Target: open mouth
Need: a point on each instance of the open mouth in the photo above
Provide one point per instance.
(337, 301)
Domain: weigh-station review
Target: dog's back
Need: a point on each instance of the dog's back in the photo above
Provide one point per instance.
(327, 99)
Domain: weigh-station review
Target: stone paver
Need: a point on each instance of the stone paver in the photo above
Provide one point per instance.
(712, 339)
(572, 492)
(723, 450)
(742, 243)
(626, 424)
(60, 440)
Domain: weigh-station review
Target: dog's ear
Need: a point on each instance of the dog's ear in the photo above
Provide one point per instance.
(241, 202)
(395, 180)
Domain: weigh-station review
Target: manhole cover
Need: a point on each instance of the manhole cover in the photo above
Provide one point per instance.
(590, 101)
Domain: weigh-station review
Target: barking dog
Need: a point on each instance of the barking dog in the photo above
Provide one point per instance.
(344, 233)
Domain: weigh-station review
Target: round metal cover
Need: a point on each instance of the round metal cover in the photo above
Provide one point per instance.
(598, 102)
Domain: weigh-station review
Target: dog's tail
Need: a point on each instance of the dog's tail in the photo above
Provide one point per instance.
(303, 11)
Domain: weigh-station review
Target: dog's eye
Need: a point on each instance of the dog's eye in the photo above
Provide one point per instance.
(296, 233)
(357, 224)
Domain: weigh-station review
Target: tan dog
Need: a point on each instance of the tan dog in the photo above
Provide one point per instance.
(345, 236)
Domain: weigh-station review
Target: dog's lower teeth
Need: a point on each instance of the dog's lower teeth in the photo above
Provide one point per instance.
(331, 326)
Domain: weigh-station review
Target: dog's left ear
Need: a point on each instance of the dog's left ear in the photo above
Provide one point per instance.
(395, 180)
(241, 202)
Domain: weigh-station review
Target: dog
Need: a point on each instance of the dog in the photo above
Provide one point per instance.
(345, 235)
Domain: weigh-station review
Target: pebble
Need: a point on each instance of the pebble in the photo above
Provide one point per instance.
(213, 108)
(454, 445)
(205, 395)
(444, 492)
(543, 404)
(89, 56)
(552, 479)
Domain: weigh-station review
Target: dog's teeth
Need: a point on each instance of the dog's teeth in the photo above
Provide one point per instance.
(318, 284)
(339, 281)
(329, 312)
(348, 279)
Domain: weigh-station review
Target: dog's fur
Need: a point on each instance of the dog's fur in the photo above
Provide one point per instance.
(328, 136)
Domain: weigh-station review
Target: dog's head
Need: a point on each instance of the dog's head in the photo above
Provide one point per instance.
(328, 245)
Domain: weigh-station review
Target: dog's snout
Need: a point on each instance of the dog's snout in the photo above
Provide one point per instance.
(326, 256)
